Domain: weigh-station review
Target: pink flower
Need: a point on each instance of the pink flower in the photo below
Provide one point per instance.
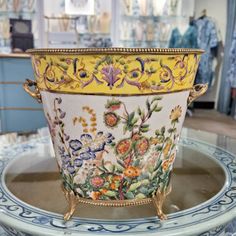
(97, 181)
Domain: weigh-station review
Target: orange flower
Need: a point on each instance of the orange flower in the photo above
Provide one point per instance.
(117, 178)
(165, 165)
(103, 191)
(113, 186)
(132, 172)
(166, 148)
(123, 147)
(111, 119)
(95, 195)
(172, 157)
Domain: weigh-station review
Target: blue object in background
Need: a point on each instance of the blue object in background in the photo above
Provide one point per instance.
(18, 111)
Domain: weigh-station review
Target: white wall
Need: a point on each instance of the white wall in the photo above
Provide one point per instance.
(216, 9)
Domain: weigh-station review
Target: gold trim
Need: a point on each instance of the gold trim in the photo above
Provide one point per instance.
(115, 203)
(157, 200)
(11, 82)
(116, 95)
(115, 50)
(197, 91)
(21, 108)
(35, 94)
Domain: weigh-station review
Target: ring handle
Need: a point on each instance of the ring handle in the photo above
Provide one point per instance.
(197, 91)
(33, 93)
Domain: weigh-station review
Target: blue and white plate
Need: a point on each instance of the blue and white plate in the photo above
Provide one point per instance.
(208, 218)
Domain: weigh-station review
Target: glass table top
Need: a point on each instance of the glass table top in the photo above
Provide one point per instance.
(34, 179)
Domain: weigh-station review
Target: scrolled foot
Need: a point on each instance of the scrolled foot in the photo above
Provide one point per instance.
(158, 200)
(72, 203)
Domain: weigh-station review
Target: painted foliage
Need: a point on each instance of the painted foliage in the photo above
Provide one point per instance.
(143, 157)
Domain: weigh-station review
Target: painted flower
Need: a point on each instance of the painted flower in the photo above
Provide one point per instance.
(166, 148)
(87, 147)
(116, 178)
(132, 172)
(100, 141)
(87, 155)
(176, 113)
(136, 136)
(95, 195)
(111, 119)
(142, 146)
(97, 181)
(172, 158)
(123, 147)
(103, 191)
(110, 75)
(78, 162)
(75, 144)
(113, 186)
(165, 165)
(113, 105)
(71, 169)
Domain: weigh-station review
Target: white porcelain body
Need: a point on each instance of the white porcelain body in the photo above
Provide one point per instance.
(105, 143)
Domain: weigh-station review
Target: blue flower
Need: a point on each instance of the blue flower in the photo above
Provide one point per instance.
(109, 138)
(87, 155)
(71, 169)
(61, 150)
(75, 144)
(98, 147)
(86, 138)
(65, 159)
(78, 162)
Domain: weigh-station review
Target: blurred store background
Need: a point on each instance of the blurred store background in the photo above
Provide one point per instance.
(206, 24)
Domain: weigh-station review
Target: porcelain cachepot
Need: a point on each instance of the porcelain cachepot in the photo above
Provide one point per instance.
(115, 116)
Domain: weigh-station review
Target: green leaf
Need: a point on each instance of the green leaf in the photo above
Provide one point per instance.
(106, 185)
(143, 190)
(136, 162)
(157, 132)
(119, 168)
(158, 109)
(145, 182)
(144, 130)
(134, 186)
(154, 174)
(139, 111)
(110, 193)
(134, 121)
(159, 148)
(101, 169)
(125, 129)
(148, 105)
(131, 117)
(156, 98)
(112, 144)
(163, 129)
(140, 196)
(121, 163)
(129, 195)
(143, 176)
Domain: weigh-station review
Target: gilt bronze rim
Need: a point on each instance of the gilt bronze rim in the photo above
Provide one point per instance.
(115, 50)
